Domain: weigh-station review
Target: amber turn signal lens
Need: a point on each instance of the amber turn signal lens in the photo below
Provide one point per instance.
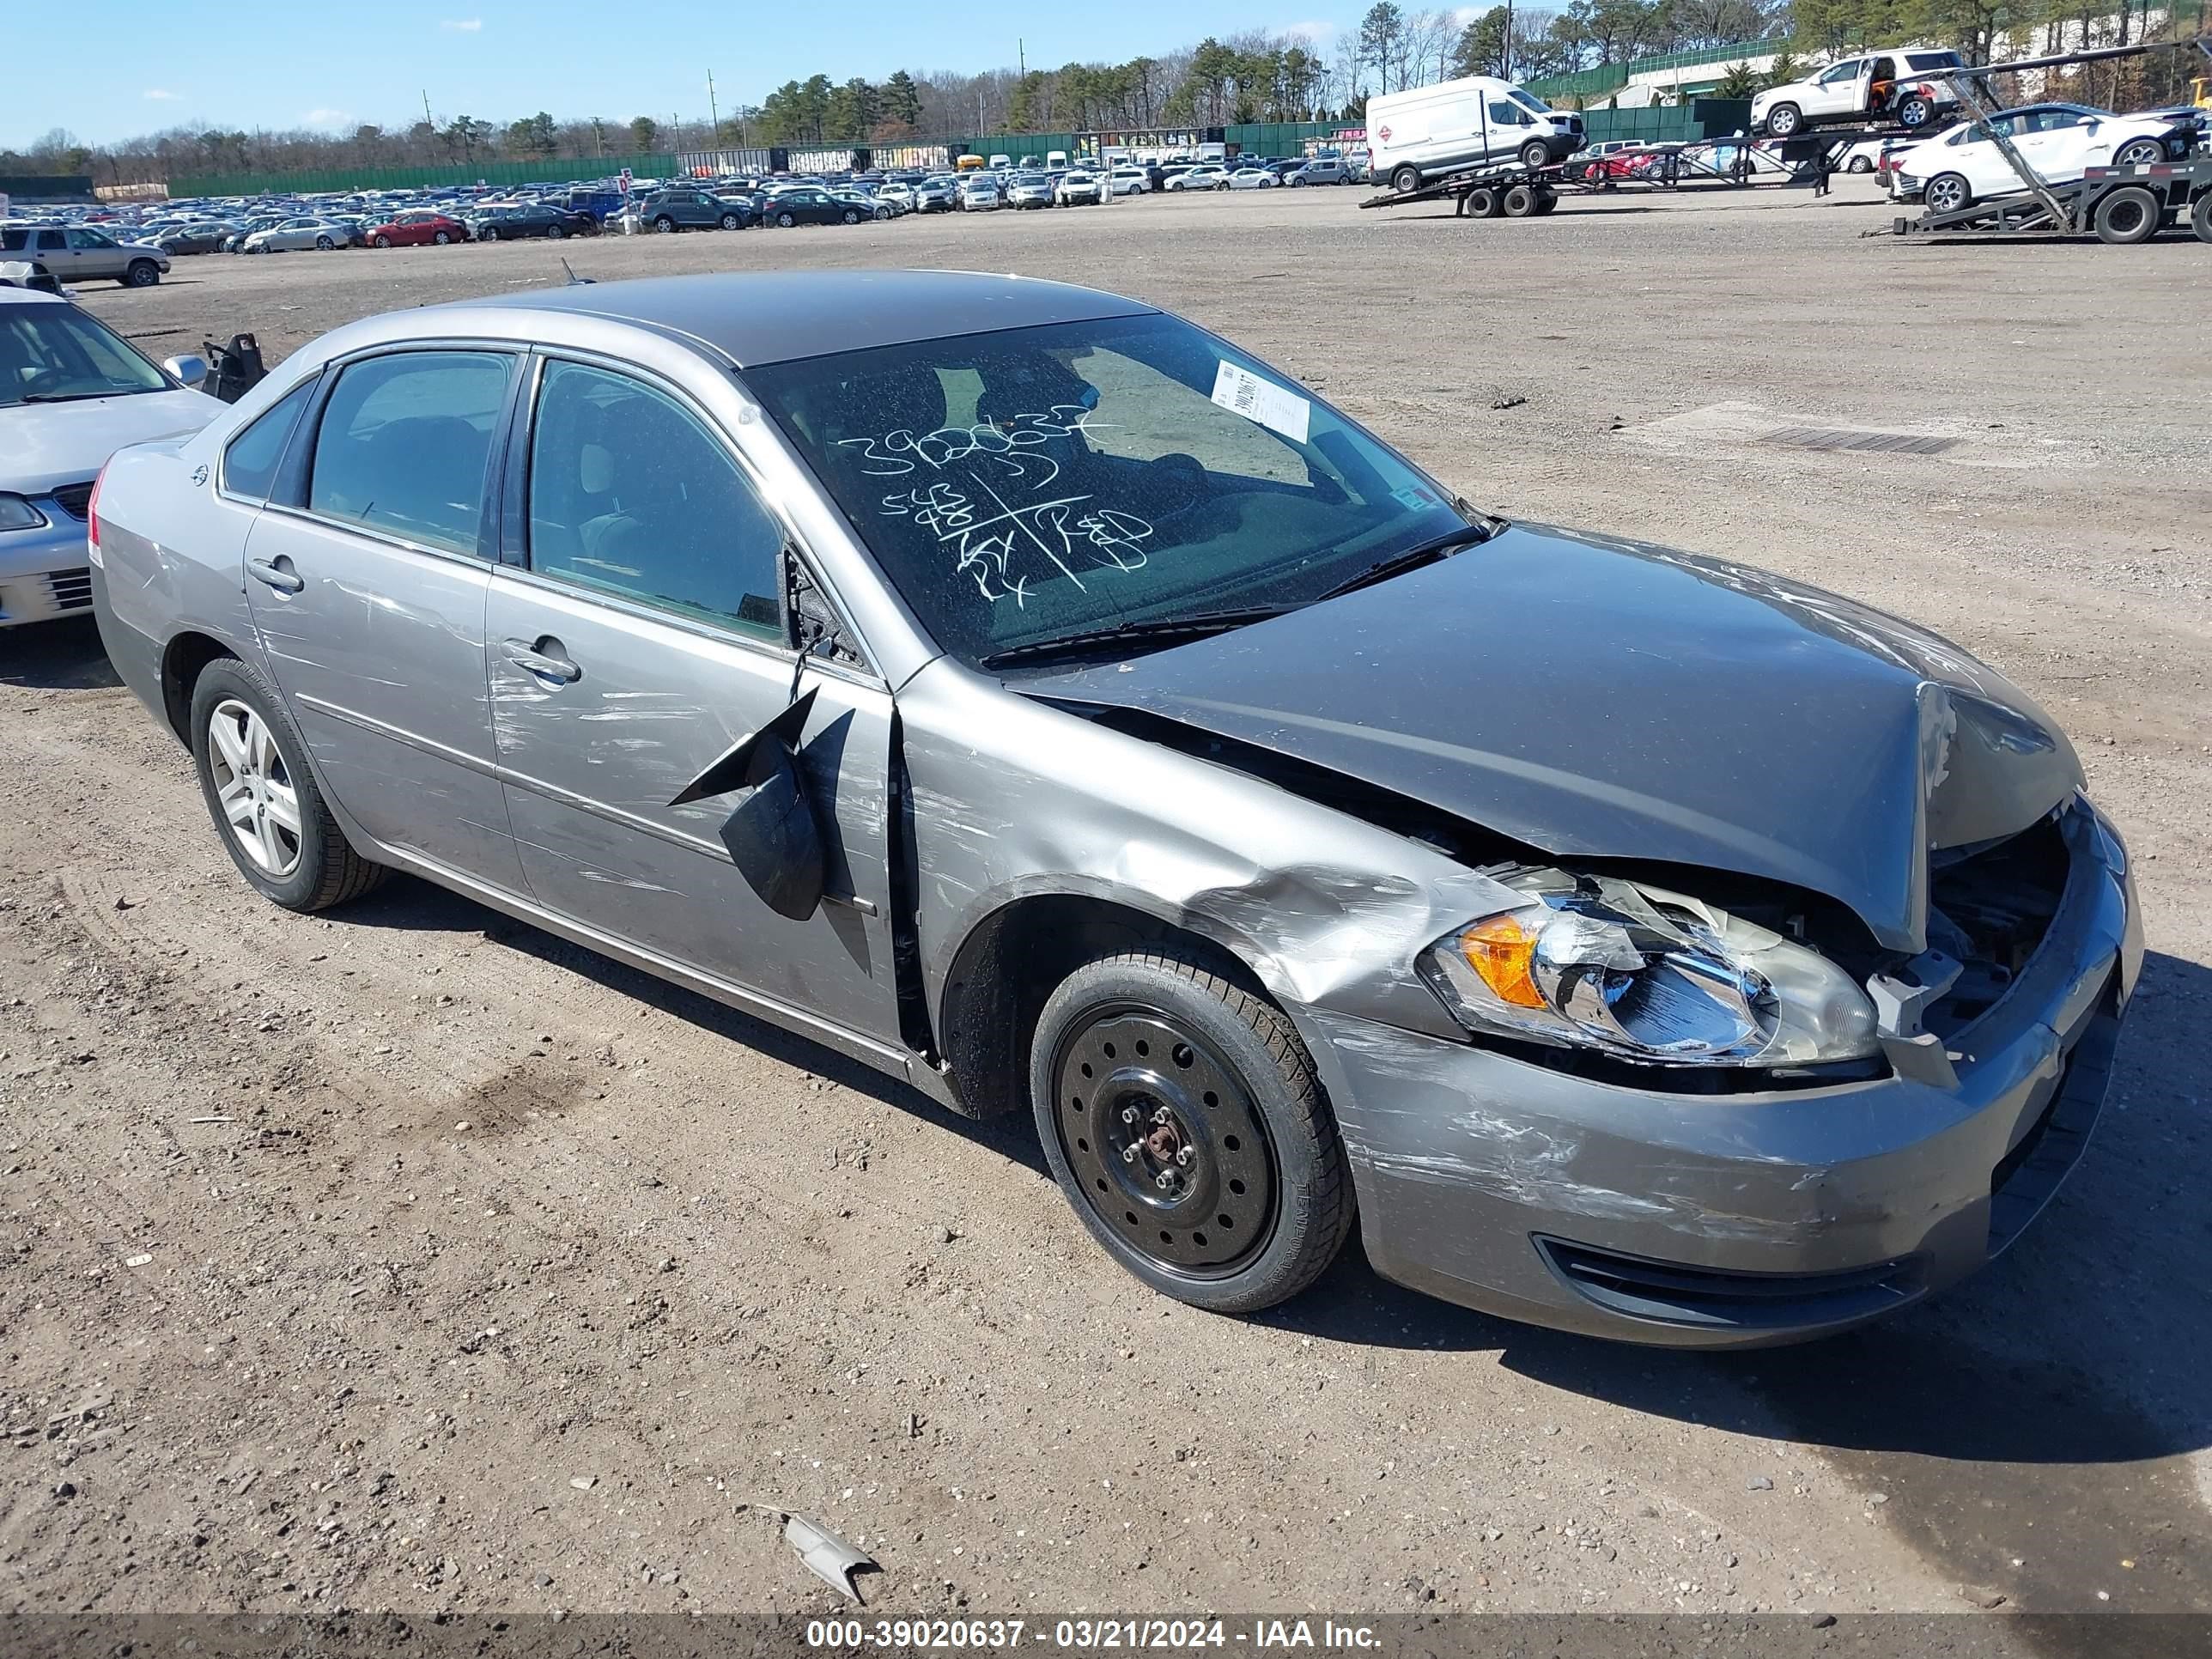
(1501, 950)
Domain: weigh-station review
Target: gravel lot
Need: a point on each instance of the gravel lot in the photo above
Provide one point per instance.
(409, 1258)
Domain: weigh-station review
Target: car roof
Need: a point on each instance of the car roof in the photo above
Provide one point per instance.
(770, 317)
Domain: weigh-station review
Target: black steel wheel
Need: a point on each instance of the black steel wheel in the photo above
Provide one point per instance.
(1184, 1123)
(2200, 217)
(1484, 204)
(1518, 202)
(2127, 216)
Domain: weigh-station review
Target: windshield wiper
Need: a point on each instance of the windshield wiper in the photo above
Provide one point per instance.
(64, 397)
(1411, 558)
(1161, 629)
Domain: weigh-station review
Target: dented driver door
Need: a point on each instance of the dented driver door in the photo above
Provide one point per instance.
(643, 642)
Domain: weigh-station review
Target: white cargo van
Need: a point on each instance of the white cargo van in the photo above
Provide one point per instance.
(1419, 134)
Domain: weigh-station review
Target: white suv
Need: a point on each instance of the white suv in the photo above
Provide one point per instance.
(1881, 85)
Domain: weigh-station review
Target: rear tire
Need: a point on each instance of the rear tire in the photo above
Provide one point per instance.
(324, 245)
(1518, 202)
(2200, 217)
(1201, 1119)
(785, 221)
(665, 225)
(326, 871)
(1915, 111)
(1947, 193)
(2127, 216)
(442, 239)
(1483, 204)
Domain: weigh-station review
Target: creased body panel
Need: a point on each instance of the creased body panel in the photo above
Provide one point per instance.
(1602, 700)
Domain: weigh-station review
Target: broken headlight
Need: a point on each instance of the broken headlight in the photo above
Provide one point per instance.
(1597, 962)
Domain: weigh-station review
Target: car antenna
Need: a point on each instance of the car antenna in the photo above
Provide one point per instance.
(575, 281)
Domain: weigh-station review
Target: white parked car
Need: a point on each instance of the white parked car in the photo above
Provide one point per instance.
(1422, 134)
(2061, 141)
(1251, 178)
(1029, 190)
(1880, 85)
(979, 193)
(1207, 175)
(1129, 181)
(295, 234)
(1079, 188)
(72, 393)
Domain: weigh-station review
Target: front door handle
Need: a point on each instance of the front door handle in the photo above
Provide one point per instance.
(277, 574)
(545, 658)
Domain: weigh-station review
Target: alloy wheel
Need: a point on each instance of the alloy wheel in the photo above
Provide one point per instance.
(1165, 1141)
(254, 787)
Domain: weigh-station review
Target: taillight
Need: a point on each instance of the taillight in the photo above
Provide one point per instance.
(92, 516)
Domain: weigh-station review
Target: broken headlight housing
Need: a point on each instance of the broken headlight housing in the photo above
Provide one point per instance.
(1596, 961)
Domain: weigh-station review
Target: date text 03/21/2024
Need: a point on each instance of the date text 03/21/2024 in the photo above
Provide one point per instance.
(1087, 1635)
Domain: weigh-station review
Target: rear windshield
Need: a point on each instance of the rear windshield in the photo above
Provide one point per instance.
(1934, 60)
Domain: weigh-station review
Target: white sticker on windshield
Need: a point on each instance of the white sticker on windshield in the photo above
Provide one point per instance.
(1255, 399)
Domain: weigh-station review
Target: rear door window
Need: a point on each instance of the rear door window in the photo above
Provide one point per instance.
(249, 466)
(404, 445)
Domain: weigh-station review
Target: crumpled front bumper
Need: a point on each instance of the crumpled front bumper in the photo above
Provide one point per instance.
(1743, 1219)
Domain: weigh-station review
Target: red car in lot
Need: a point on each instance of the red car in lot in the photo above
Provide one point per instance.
(417, 229)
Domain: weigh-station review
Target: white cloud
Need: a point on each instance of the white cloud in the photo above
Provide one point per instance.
(326, 117)
(463, 25)
(160, 94)
(1463, 15)
(1310, 31)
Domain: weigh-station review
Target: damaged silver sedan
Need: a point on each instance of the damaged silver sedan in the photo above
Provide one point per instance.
(1043, 701)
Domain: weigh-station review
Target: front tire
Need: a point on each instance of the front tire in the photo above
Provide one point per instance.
(267, 811)
(1184, 1123)
(1405, 180)
(665, 225)
(730, 222)
(2200, 218)
(380, 241)
(142, 273)
(1783, 120)
(1533, 154)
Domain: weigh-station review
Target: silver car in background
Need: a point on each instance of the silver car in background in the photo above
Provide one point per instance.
(1041, 700)
(72, 393)
(294, 235)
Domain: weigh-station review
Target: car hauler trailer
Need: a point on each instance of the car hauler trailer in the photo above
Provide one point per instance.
(2117, 205)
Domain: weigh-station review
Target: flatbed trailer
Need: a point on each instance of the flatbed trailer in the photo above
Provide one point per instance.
(2121, 205)
(1512, 192)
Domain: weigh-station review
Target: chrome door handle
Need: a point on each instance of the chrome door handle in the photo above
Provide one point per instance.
(278, 574)
(526, 655)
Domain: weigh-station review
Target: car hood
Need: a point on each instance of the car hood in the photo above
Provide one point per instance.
(1610, 700)
(45, 446)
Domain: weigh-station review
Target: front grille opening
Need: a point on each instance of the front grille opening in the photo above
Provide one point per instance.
(75, 499)
(69, 590)
(1673, 1294)
(1989, 909)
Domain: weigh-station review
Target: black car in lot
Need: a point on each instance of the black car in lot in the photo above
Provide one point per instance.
(540, 219)
(810, 207)
(682, 208)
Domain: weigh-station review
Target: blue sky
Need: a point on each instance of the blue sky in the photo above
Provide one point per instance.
(124, 67)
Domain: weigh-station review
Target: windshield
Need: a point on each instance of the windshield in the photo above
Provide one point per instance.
(1025, 485)
(55, 353)
(1527, 102)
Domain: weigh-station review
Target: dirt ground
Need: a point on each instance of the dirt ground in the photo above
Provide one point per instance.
(409, 1258)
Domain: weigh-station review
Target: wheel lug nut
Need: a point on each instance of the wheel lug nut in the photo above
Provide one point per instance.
(1164, 1181)
(1128, 1114)
(1184, 1156)
(1129, 1153)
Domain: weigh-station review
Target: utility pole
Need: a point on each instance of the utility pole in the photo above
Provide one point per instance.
(426, 120)
(714, 110)
(1505, 70)
(1021, 55)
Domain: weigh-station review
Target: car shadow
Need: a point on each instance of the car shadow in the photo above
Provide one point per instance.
(56, 656)
(405, 903)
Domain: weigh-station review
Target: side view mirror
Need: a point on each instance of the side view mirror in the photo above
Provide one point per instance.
(191, 368)
(772, 837)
